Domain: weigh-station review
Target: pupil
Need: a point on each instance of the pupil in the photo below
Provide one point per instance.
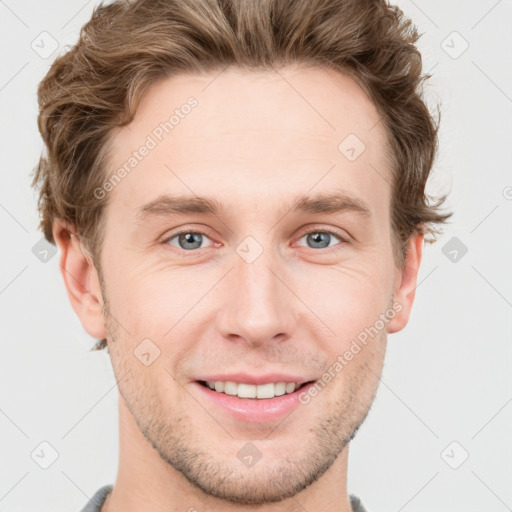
(191, 238)
(317, 238)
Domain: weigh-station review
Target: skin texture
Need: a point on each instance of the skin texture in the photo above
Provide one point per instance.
(254, 144)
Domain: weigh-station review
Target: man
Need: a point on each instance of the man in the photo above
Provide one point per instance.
(237, 190)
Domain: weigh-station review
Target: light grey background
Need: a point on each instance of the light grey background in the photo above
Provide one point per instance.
(447, 375)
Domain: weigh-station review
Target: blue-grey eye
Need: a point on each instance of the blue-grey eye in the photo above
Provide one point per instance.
(320, 239)
(188, 240)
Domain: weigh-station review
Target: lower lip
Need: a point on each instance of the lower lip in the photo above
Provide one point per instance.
(254, 409)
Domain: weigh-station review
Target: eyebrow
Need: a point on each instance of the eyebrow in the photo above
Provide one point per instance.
(166, 205)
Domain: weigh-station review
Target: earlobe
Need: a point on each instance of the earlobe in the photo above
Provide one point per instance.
(405, 284)
(80, 279)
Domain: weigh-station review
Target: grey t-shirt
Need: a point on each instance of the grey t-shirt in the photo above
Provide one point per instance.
(97, 500)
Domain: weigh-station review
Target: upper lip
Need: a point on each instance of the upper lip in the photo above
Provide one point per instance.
(245, 378)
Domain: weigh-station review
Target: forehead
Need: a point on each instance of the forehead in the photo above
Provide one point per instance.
(245, 135)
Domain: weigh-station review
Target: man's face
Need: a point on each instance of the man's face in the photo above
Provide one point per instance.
(266, 293)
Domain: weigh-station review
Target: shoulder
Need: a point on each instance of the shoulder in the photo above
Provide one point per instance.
(95, 503)
(356, 504)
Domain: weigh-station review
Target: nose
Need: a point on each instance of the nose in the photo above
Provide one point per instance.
(258, 308)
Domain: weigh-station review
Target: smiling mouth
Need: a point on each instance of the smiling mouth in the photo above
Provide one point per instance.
(261, 391)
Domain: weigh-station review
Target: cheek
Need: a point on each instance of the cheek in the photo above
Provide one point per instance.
(349, 298)
(137, 296)
(159, 304)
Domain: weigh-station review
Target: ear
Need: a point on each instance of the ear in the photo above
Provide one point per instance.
(405, 283)
(81, 279)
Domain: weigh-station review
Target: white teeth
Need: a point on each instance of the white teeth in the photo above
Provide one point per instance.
(261, 391)
(230, 388)
(290, 387)
(246, 391)
(279, 388)
(266, 390)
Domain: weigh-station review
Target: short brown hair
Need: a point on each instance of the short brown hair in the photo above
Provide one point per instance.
(127, 45)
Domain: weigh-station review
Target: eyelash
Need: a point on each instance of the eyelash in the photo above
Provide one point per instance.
(343, 240)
